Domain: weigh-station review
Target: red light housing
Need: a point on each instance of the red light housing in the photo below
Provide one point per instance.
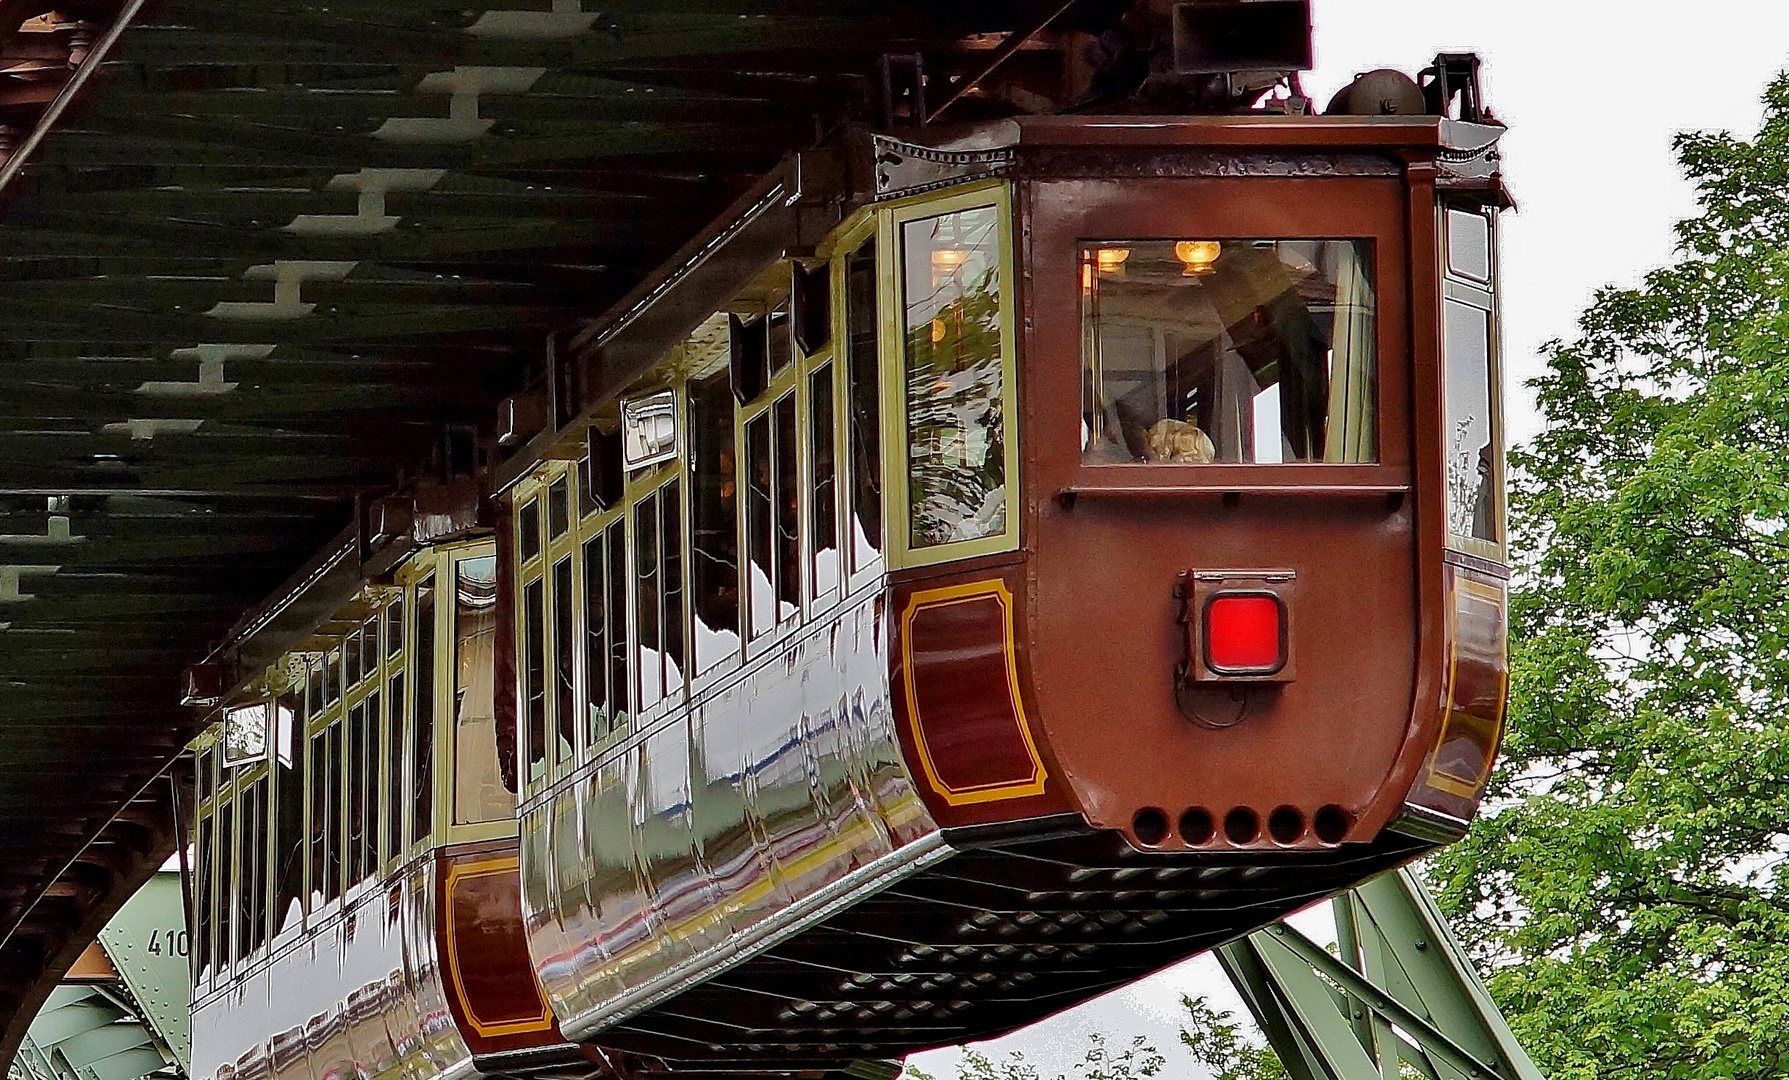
(1244, 633)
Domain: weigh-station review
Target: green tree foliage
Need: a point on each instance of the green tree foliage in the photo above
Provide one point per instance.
(1216, 1040)
(1137, 1061)
(1626, 886)
(1220, 1045)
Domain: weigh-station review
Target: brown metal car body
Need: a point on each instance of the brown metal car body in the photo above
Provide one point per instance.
(943, 797)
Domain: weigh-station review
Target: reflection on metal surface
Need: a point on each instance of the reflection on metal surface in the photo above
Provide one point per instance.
(708, 838)
(361, 994)
(1477, 688)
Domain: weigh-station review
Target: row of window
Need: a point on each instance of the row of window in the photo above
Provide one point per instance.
(749, 491)
(346, 783)
(752, 495)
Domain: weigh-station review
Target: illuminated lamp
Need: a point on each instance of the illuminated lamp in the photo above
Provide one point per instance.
(947, 261)
(1244, 633)
(1198, 258)
(1111, 260)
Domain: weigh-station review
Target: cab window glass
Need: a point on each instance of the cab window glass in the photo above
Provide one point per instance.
(1229, 351)
(956, 466)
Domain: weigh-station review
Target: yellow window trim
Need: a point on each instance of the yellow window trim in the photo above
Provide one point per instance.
(897, 513)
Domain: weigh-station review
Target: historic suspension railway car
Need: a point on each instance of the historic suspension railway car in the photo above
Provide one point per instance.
(969, 577)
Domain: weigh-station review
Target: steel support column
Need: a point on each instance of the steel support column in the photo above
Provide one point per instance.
(1399, 991)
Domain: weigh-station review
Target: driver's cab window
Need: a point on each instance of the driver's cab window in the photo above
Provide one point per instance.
(1199, 351)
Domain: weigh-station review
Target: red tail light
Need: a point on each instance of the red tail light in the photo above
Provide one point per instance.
(1245, 633)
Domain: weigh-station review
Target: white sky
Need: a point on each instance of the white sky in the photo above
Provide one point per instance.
(1592, 91)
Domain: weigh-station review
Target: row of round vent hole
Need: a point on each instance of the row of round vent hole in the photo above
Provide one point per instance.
(1241, 825)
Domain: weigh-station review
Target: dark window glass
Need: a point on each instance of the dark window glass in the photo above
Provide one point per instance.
(558, 508)
(206, 860)
(670, 510)
(394, 763)
(317, 762)
(394, 628)
(864, 407)
(812, 299)
(596, 642)
(956, 454)
(313, 702)
(332, 677)
(481, 792)
(617, 545)
(257, 854)
(422, 725)
(648, 663)
(207, 774)
(333, 835)
(242, 905)
(782, 345)
(528, 529)
(369, 649)
(351, 659)
(288, 850)
(374, 789)
(355, 852)
(823, 511)
(564, 649)
(714, 522)
(534, 675)
(788, 512)
(587, 503)
(226, 884)
(760, 526)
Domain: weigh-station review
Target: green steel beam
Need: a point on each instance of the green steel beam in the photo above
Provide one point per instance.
(131, 1029)
(1400, 993)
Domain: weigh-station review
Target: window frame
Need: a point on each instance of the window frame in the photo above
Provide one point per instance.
(650, 481)
(446, 831)
(862, 228)
(1064, 215)
(898, 551)
(584, 528)
(1365, 248)
(1487, 297)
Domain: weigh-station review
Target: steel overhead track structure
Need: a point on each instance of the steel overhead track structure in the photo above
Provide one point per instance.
(259, 261)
